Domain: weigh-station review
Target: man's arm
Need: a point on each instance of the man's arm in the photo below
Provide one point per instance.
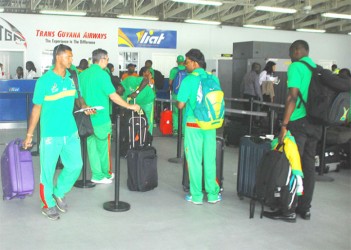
(33, 121)
(143, 84)
(290, 105)
(119, 101)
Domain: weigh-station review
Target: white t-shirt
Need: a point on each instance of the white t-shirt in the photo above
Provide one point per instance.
(30, 75)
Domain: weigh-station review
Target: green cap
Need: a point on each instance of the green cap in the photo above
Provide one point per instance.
(180, 58)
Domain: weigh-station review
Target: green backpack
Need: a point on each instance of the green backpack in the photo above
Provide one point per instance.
(209, 109)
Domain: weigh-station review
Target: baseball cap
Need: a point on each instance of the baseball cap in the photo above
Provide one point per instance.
(180, 58)
(131, 65)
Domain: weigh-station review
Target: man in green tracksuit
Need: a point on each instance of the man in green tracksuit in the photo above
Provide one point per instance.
(198, 144)
(172, 76)
(96, 88)
(140, 89)
(53, 99)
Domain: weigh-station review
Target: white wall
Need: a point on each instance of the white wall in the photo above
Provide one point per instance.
(211, 40)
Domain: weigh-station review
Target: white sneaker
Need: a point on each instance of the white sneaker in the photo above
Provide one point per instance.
(111, 177)
(103, 181)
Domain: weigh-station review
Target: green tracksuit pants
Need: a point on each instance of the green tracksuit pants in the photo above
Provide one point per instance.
(68, 148)
(99, 150)
(201, 144)
(149, 113)
(175, 112)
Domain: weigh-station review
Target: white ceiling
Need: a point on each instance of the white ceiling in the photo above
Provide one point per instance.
(231, 13)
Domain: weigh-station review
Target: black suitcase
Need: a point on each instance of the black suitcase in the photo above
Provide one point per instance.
(142, 169)
(219, 167)
(251, 150)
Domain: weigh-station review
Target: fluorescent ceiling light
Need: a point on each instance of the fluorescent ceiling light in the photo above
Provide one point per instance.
(349, 33)
(63, 13)
(336, 15)
(150, 18)
(202, 22)
(2, 9)
(275, 9)
(259, 26)
(203, 2)
(311, 30)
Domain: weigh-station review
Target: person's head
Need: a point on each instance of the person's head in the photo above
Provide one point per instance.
(30, 66)
(148, 64)
(344, 73)
(111, 67)
(120, 89)
(298, 49)
(19, 72)
(180, 60)
(334, 67)
(83, 64)
(100, 57)
(270, 67)
(63, 56)
(256, 67)
(131, 68)
(1, 65)
(194, 59)
(146, 73)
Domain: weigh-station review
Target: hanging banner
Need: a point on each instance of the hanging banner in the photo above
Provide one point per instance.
(147, 38)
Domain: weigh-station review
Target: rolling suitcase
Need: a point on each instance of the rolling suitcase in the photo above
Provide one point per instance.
(219, 167)
(141, 158)
(251, 150)
(166, 120)
(142, 169)
(16, 171)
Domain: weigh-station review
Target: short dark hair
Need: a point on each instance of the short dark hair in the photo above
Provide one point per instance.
(59, 49)
(298, 44)
(345, 72)
(254, 65)
(99, 54)
(197, 56)
(148, 61)
(142, 70)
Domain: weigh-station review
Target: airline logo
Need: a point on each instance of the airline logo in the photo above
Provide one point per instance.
(9, 33)
(144, 38)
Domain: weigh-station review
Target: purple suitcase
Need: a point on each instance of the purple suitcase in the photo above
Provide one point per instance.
(17, 173)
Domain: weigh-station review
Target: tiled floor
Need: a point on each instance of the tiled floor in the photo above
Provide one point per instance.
(162, 219)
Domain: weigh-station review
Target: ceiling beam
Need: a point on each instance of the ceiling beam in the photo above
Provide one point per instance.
(150, 6)
(110, 6)
(74, 5)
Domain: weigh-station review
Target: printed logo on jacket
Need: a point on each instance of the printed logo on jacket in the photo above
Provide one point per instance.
(147, 38)
(9, 34)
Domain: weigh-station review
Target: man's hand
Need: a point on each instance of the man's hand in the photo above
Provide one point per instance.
(133, 95)
(282, 134)
(27, 143)
(134, 107)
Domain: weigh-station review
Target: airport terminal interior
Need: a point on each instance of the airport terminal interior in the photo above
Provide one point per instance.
(162, 219)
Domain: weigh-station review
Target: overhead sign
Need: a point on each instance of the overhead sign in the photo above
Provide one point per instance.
(11, 36)
(147, 38)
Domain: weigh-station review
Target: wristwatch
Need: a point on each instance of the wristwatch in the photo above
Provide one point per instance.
(137, 91)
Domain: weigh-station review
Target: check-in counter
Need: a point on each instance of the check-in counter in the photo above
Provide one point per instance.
(15, 102)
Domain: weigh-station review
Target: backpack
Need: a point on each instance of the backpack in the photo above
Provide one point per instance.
(328, 100)
(181, 74)
(159, 79)
(209, 108)
(275, 185)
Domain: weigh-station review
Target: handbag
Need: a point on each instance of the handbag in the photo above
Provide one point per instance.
(83, 121)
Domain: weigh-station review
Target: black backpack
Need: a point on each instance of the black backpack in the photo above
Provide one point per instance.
(272, 181)
(328, 100)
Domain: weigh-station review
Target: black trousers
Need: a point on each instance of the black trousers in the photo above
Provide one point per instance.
(306, 136)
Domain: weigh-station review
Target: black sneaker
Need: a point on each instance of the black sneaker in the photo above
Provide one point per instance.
(61, 204)
(51, 213)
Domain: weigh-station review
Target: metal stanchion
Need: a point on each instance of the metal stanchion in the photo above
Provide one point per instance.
(321, 176)
(117, 205)
(179, 158)
(271, 121)
(84, 183)
(251, 109)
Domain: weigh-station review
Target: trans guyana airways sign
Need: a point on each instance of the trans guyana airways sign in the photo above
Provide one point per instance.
(147, 38)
